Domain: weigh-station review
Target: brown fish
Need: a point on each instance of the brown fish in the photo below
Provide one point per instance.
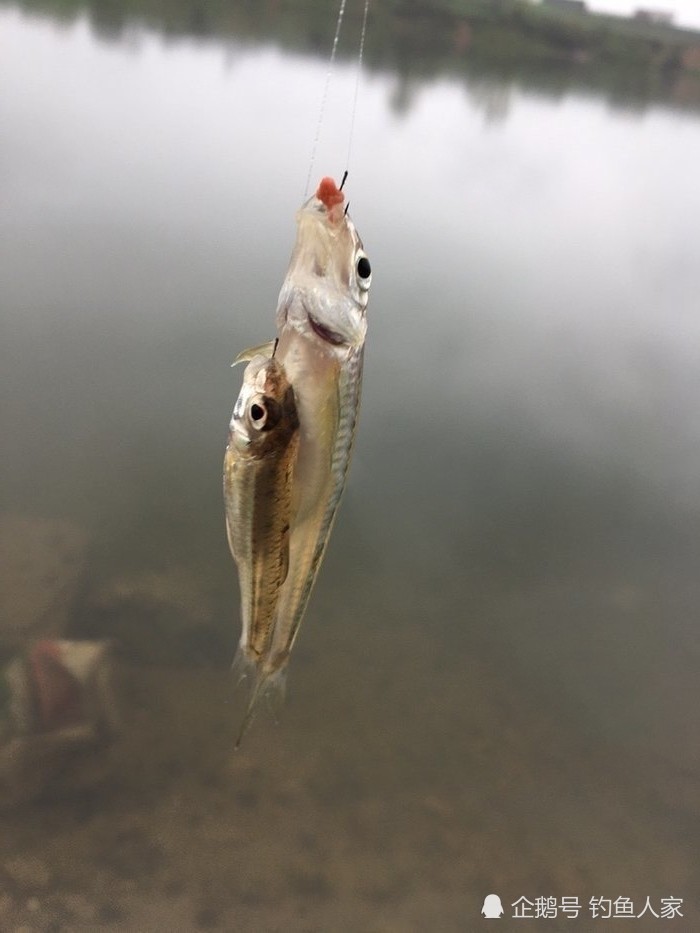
(258, 470)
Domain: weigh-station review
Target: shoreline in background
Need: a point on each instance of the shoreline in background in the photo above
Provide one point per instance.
(549, 49)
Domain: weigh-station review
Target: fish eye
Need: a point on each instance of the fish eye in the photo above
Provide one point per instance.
(364, 271)
(258, 414)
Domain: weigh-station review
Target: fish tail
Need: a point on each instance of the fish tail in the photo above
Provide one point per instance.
(243, 667)
(253, 697)
(261, 684)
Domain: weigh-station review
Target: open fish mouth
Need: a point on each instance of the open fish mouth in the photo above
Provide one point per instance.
(324, 333)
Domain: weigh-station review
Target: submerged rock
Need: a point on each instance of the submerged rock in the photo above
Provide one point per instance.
(58, 714)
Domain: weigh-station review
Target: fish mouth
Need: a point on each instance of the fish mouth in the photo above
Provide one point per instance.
(324, 333)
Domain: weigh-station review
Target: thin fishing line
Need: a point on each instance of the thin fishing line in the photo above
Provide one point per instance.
(357, 84)
(324, 99)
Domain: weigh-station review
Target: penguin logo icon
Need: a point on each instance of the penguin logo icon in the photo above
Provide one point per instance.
(492, 909)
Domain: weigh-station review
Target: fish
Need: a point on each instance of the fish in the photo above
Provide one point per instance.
(321, 329)
(258, 468)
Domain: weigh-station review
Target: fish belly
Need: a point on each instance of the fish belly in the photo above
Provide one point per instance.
(326, 384)
(258, 497)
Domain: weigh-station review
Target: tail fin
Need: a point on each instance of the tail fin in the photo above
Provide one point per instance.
(260, 684)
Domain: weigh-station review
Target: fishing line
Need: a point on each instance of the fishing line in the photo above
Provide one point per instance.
(341, 13)
(357, 83)
(324, 99)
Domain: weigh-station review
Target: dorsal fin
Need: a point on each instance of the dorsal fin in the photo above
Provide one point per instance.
(263, 349)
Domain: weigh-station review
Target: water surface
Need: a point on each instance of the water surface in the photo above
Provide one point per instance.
(495, 688)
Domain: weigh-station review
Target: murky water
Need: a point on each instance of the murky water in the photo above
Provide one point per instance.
(495, 689)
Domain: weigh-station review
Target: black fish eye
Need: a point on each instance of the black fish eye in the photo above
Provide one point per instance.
(257, 412)
(364, 270)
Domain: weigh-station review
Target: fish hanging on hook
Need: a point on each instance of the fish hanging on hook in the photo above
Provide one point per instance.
(321, 328)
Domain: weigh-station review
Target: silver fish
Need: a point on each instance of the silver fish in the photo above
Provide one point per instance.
(321, 326)
(258, 468)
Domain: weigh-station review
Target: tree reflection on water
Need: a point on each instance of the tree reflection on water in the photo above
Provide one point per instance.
(492, 53)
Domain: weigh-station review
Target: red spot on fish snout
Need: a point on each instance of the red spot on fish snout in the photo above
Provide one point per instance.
(329, 193)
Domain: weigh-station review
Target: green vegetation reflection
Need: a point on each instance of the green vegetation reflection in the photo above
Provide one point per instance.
(549, 46)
